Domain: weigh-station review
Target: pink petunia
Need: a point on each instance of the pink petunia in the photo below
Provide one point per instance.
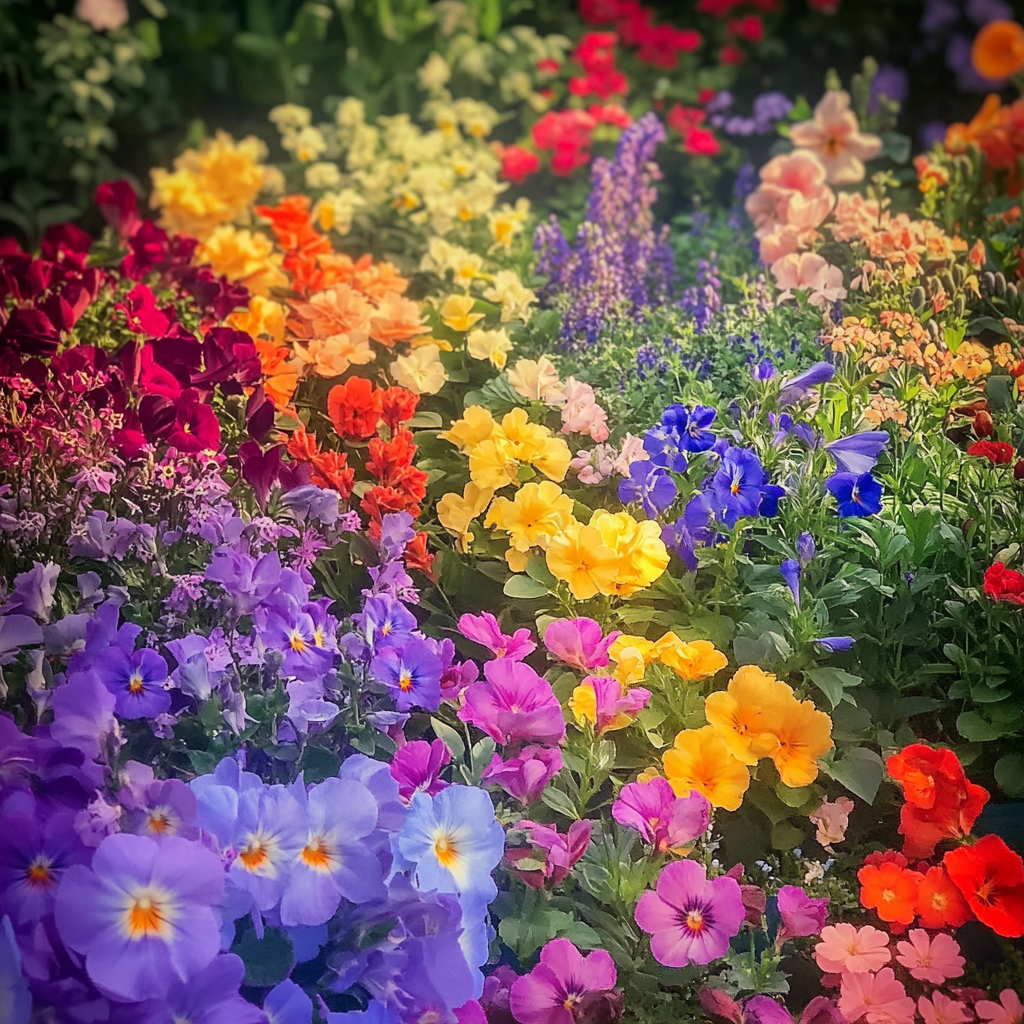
(484, 629)
(879, 998)
(580, 643)
(563, 979)
(1009, 1009)
(845, 949)
(802, 915)
(941, 1009)
(930, 959)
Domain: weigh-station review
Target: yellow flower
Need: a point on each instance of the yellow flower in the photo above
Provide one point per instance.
(491, 463)
(456, 514)
(457, 312)
(695, 660)
(476, 425)
(209, 186)
(552, 458)
(653, 772)
(701, 760)
(632, 655)
(526, 438)
(243, 256)
(264, 317)
(749, 714)
(492, 345)
(536, 514)
(517, 560)
(420, 371)
(643, 556)
(580, 557)
(507, 221)
(804, 736)
(583, 704)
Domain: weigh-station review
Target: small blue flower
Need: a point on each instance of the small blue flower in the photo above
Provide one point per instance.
(800, 386)
(791, 572)
(650, 485)
(835, 643)
(855, 495)
(737, 487)
(859, 452)
(805, 549)
(662, 445)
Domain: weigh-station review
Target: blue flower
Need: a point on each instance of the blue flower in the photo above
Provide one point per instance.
(662, 445)
(650, 485)
(855, 495)
(791, 571)
(690, 426)
(801, 385)
(454, 841)
(738, 485)
(770, 496)
(411, 670)
(859, 452)
(805, 549)
(287, 1003)
(835, 643)
(138, 682)
(693, 527)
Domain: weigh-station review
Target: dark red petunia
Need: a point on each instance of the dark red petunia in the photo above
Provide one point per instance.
(997, 452)
(1002, 584)
(940, 802)
(195, 427)
(119, 205)
(991, 877)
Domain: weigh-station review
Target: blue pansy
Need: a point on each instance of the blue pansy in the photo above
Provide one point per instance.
(855, 495)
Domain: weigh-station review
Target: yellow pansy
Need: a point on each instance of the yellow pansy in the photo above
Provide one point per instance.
(748, 714)
(457, 312)
(538, 512)
(700, 760)
(695, 660)
(492, 345)
(456, 513)
(476, 425)
(579, 556)
(244, 257)
(491, 463)
(263, 318)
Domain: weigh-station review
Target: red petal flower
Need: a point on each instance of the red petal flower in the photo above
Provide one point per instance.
(991, 877)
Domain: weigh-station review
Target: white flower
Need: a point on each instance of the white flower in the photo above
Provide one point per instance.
(435, 73)
(290, 117)
(323, 174)
(421, 372)
(492, 345)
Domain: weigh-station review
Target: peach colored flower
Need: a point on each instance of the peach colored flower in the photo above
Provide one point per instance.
(332, 356)
(856, 217)
(935, 959)
(807, 271)
(845, 949)
(941, 1009)
(581, 414)
(1009, 1009)
(337, 310)
(781, 242)
(879, 998)
(834, 136)
(102, 15)
(536, 380)
(397, 319)
(784, 177)
(832, 820)
(632, 451)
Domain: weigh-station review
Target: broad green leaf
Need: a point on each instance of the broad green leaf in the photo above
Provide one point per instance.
(524, 588)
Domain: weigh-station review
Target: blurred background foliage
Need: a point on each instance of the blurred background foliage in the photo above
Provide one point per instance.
(80, 105)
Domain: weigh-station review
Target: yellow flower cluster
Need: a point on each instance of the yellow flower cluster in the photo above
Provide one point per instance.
(691, 660)
(210, 186)
(244, 257)
(756, 716)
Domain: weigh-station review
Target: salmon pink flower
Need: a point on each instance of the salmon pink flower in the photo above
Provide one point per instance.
(559, 983)
(935, 959)
(832, 820)
(1008, 1010)
(879, 998)
(846, 949)
(807, 271)
(833, 135)
(940, 1009)
(690, 917)
(991, 877)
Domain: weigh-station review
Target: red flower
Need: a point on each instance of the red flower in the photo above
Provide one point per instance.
(418, 557)
(731, 54)
(600, 12)
(610, 113)
(891, 891)
(517, 164)
(717, 8)
(940, 903)
(398, 405)
(997, 452)
(550, 65)
(1018, 470)
(701, 142)
(355, 408)
(749, 28)
(991, 877)
(1002, 584)
(940, 802)
(705, 96)
(379, 501)
(195, 426)
(118, 204)
(684, 118)
(878, 858)
(604, 84)
(329, 470)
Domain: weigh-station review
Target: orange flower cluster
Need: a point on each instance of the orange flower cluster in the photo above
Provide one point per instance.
(998, 132)
(984, 880)
(903, 340)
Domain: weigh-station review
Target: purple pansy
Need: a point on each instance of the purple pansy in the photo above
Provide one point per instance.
(525, 775)
(411, 670)
(514, 704)
(559, 983)
(417, 767)
(855, 495)
(137, 681)
(209, 997)
(665, 820)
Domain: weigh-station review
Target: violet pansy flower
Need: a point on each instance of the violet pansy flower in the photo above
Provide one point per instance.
(579, 643)
(560, 982)
(417, 768)
(485, 630)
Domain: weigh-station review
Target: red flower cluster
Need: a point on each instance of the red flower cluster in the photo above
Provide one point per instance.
(899, 894)
(724, 8)
(940, 802)
(326, 468)
(991, 877)
(659, 45)
(595, 53)
(697, 141)
(517, 163)
(1002, 584)
(566, 135)
(355, 408)
(303, 245)
(997, 452)
(400, 486)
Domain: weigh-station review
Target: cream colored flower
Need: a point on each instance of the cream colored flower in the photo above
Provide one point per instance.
(290, 117)
(323, 174)
(492, 345)
(536, 380)
(420, 371)
(435, 73)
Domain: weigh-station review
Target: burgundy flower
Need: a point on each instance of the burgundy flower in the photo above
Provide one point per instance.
(119, 205)
(30, 331)
(195, 427)
(141, 312)
(260, 469)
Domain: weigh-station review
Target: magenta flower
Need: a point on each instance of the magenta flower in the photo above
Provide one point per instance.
(417, 768)
(562, 979)
(802, 915)
(525, 775)
(484, 630)
(514, 704)
(665, 820)
(142, 915)
(690, 917)
(556, 853)
(579, 643)
(613, 707)
(195, 427)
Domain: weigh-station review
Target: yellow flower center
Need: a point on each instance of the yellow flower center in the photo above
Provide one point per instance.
(446, 850)
(297, 643)
(405, 682)
(148, 915)
(695, 921)
(135, 684)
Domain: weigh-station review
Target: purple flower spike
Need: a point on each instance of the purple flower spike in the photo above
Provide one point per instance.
(417, 768)
(579, 643)
(560, 982)
(484, 630)
(142, 915)
(802, 915)
(690, 918)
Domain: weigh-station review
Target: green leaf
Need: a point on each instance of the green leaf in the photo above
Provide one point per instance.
(537, 569)
(451, 738)
(558, 801)
(786, 836)
(1010, 774)
(425, 419)
(859, 770)
(523, 587)
(976, 729)
(319, 763)
(895, 147)
(268, 960)
(833, 682)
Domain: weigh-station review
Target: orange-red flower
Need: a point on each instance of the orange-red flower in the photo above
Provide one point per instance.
(398, 405)
(940, 802)
(940, 903)
(1002, 584)
(355, 408)
(418, 557)
(890, 890)
(329, 469)
(991, 877)
(998, 50)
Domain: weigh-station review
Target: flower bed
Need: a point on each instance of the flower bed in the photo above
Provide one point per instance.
(449, 580)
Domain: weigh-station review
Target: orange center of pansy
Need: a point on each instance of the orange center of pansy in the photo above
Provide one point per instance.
(135, 684)
(254, 856)
(39, 872)
(298, 644)
(446, 851)
(147, 916)
(695, 921)
(405, 682)
(159, 821)
(316, 854)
